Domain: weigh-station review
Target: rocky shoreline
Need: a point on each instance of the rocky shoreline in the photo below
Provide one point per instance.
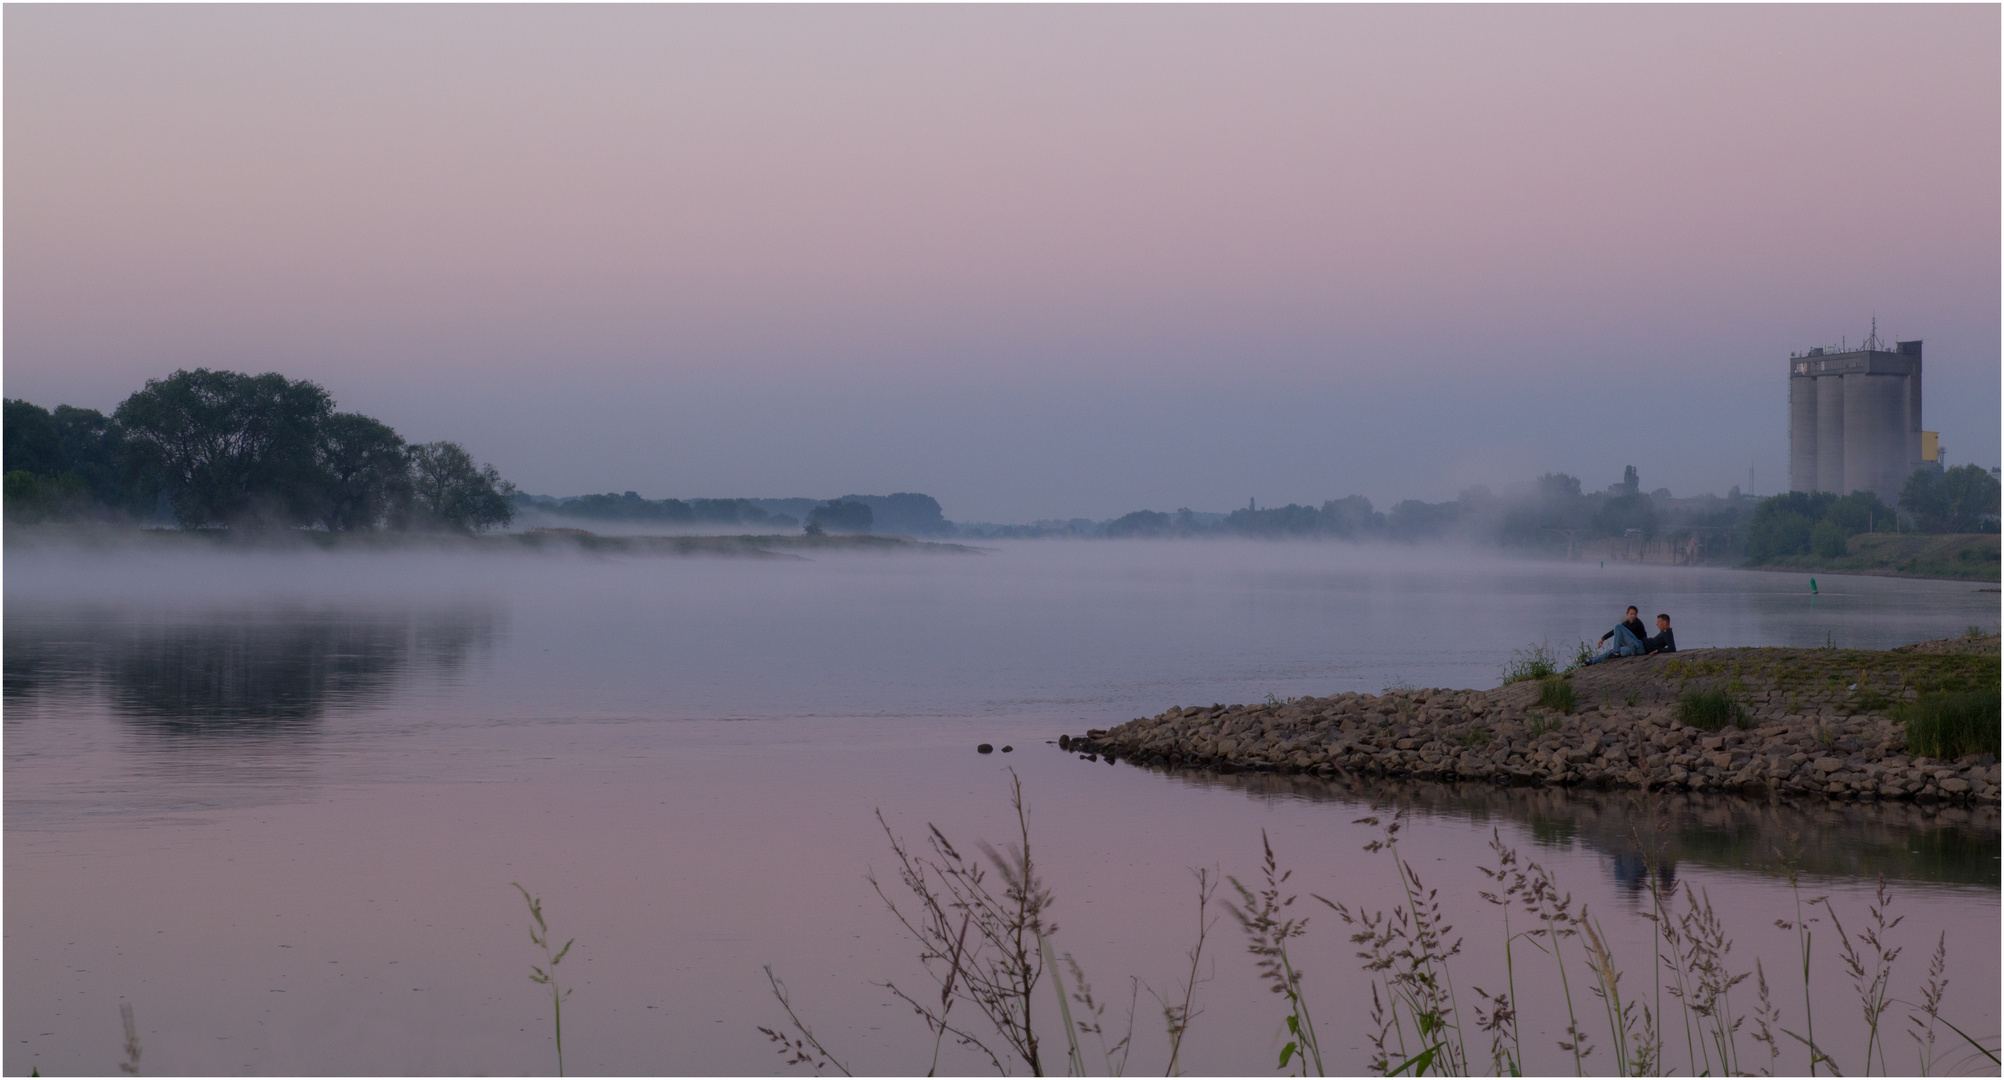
(1819, 723)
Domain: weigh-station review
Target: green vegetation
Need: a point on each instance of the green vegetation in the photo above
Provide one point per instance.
(1949, 724)
(1711, 710)
(1534, 662)
(837, 515)
(1820, 524)
(1946, 527)
(545, 974)
(1556, 692)
(1959, 500)
(221, 448)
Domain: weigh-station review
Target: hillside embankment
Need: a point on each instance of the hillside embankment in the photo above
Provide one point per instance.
(1827, 723)
(1953, 556)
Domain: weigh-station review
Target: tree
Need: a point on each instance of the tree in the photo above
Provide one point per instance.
(1350, 516)
(837, 515)
(1829, 540)
(1139, 523)
(905, 512)
(93, 447)
(32, 445)
(1782, 525)
(364, 472)
(227, 447)
(448, 491)
(1962, 499)
(1620, 513)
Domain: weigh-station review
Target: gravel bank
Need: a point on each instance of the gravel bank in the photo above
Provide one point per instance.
(1818, 723)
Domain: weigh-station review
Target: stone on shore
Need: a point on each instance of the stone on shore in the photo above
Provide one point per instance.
(1815, 722)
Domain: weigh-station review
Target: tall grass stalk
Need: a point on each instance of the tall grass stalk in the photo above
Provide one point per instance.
(1177, 1015)
(1263, 915)
(546, 974)
(989, 946)
(804, 1048)
(1074, 1061)
(1872, 984)
(1411, 949)
(982, 943)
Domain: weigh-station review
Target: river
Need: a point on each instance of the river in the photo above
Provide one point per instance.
(276, 802)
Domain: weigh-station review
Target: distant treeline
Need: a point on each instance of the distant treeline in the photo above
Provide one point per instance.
(1552, 512)
(904, 512)
(209, 448)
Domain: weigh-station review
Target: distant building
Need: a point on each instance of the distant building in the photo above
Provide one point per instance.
(1854, 419)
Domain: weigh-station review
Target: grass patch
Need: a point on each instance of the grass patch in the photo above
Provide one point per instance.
(1555, 692)
(1950, 724)
(1534, 662)
(1711, 710)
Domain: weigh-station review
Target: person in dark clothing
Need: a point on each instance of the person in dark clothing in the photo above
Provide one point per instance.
(1664, 641)
(1627, 635)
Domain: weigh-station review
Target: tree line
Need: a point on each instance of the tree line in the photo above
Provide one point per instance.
(1963, 499)
(213, 449)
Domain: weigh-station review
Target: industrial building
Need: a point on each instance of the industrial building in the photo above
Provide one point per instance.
(1854, 419)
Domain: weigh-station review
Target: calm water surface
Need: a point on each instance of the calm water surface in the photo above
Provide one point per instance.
(276, 802)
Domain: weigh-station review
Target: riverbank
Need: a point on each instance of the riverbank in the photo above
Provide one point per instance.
(758, 546)
(1954, 556)
(1803, 723)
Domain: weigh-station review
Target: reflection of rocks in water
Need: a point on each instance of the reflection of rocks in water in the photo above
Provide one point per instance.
(1847, 840)
(242, 672)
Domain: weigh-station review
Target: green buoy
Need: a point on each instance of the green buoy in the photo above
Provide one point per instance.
(1812, 586)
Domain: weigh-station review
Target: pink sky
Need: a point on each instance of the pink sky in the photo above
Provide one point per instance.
(1036, 261)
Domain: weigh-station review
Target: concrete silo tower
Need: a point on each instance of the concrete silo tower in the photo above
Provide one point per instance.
(1854, 418)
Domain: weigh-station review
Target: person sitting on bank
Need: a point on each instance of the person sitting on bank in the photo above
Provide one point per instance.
(1627, 634)
(1664, 641)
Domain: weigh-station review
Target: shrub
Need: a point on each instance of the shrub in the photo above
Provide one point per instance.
(1535, 662)
(1712, 710)
(1949, 724)
(1554, 692)
(1827, 540)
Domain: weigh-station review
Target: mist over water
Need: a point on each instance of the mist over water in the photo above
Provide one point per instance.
(276, 800)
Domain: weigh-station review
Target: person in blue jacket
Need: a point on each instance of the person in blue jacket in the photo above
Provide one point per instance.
(1627, 638)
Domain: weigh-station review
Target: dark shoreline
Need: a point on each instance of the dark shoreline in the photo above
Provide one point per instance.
(746, 545)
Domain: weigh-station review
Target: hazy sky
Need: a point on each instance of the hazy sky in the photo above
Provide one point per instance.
(1036, 261)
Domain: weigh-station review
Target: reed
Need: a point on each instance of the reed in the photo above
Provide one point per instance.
(545, 974)
(1556, 692)
(1711, 710)
(1531, 662)
(1949, 724)
(988, 946)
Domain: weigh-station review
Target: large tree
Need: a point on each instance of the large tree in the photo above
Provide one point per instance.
(32, 442)
(93, 447)
(1959, 500)
(448, 491)
(226, 447)
(364, 471)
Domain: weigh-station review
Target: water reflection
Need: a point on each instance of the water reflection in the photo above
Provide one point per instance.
(241, 672)
(1639, 834)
